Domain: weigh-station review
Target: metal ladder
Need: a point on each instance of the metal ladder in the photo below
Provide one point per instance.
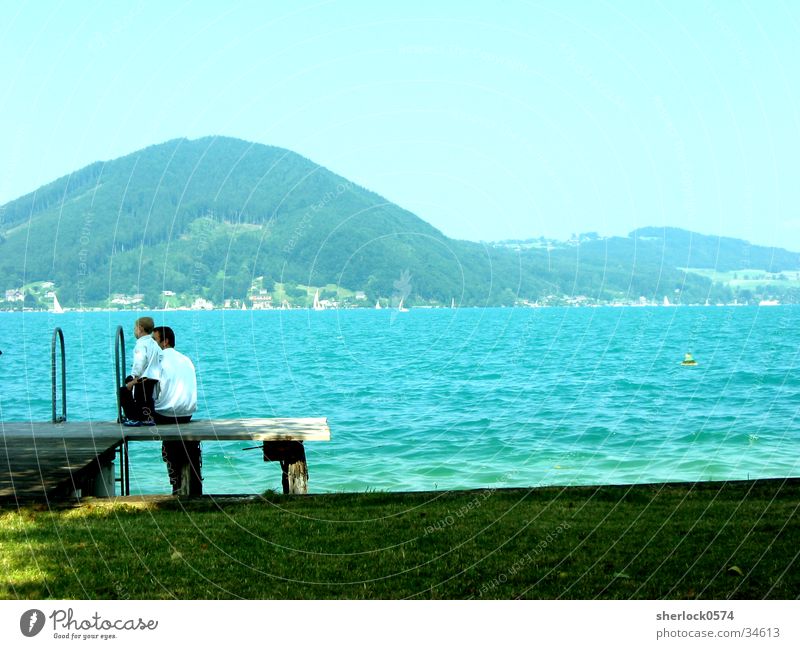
(119, 371)
(119, 360)
(58, 334)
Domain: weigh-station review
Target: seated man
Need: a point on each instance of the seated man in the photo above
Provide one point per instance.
(176, 396)
(176, 401)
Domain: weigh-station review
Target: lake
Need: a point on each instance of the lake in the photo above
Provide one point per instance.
(455, 398)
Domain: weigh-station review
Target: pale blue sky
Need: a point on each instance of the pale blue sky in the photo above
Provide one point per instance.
(490, 120)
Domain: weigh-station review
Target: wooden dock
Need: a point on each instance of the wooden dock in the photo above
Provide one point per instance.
(42, 460)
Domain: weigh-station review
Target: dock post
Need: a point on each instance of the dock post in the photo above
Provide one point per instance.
(97, 479)
(294, 469)
(184, 461)
(104, 482)
(191, 483)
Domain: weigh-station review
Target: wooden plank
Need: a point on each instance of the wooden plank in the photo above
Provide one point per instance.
(260, 430)
(37, 457)
(32, 466)
(256, 430)
(86, 430)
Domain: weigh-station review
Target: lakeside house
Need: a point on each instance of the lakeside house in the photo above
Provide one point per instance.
(15, 295)
(127, 300)
(261, 301)
(201, 304)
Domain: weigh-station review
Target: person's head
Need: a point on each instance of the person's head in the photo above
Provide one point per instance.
(164, 336)
(143, 327)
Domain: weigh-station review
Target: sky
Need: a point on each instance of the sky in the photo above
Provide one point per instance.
(489, 120)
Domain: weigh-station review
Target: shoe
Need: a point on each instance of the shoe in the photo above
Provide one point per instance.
(131, 423)
(148, 422)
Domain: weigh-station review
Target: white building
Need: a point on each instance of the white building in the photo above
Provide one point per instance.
(261, 301)
(15, 295)
(127, 300)
(201, 304)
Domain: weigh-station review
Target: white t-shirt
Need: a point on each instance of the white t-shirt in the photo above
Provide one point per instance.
(145, 358)
(177, 388)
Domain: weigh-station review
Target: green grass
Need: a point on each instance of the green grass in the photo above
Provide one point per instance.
(279, 293)
(710, 540)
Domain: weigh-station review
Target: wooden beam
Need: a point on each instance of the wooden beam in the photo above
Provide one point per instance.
(294, 468)
(259, 430)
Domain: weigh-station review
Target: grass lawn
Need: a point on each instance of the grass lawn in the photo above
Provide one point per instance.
(708, 541)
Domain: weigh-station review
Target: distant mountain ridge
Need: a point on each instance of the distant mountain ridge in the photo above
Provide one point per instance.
(679, 248)
(692, 250)
(207, 217)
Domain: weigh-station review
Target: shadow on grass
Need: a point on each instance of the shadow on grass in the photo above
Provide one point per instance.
(706, 541)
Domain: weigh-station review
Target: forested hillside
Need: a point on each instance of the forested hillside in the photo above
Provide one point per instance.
(206, 217)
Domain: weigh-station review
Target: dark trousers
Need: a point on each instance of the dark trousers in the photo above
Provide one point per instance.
(138, 404)
(180, 453)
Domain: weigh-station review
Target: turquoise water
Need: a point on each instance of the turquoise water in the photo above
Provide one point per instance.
(455, 399)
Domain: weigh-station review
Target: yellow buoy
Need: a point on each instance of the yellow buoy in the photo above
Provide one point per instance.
(688, 360)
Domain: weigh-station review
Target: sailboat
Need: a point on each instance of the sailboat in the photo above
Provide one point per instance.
(400, 307)
(244, 305)
(56, 306)
(452, 303)
(317, 305)
(378, 305)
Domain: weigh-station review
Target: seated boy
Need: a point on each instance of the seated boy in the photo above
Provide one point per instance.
(137, 395)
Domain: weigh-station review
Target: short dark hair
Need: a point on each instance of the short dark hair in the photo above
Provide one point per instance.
(166, 335)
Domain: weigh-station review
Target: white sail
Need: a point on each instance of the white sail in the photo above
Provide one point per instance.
(400, 306)
(317, 305)
(452, 303)
(244, 306)
(378, 304)
(56, 306)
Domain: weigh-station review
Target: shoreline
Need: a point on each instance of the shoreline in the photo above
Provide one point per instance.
(567, 490)
(410, 308)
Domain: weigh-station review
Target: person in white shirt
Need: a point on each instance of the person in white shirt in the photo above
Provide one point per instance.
(176, 398)
(137, 395)
(175, 403)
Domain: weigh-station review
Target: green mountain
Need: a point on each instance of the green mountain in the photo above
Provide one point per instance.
(209, 215)
(206, 217)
